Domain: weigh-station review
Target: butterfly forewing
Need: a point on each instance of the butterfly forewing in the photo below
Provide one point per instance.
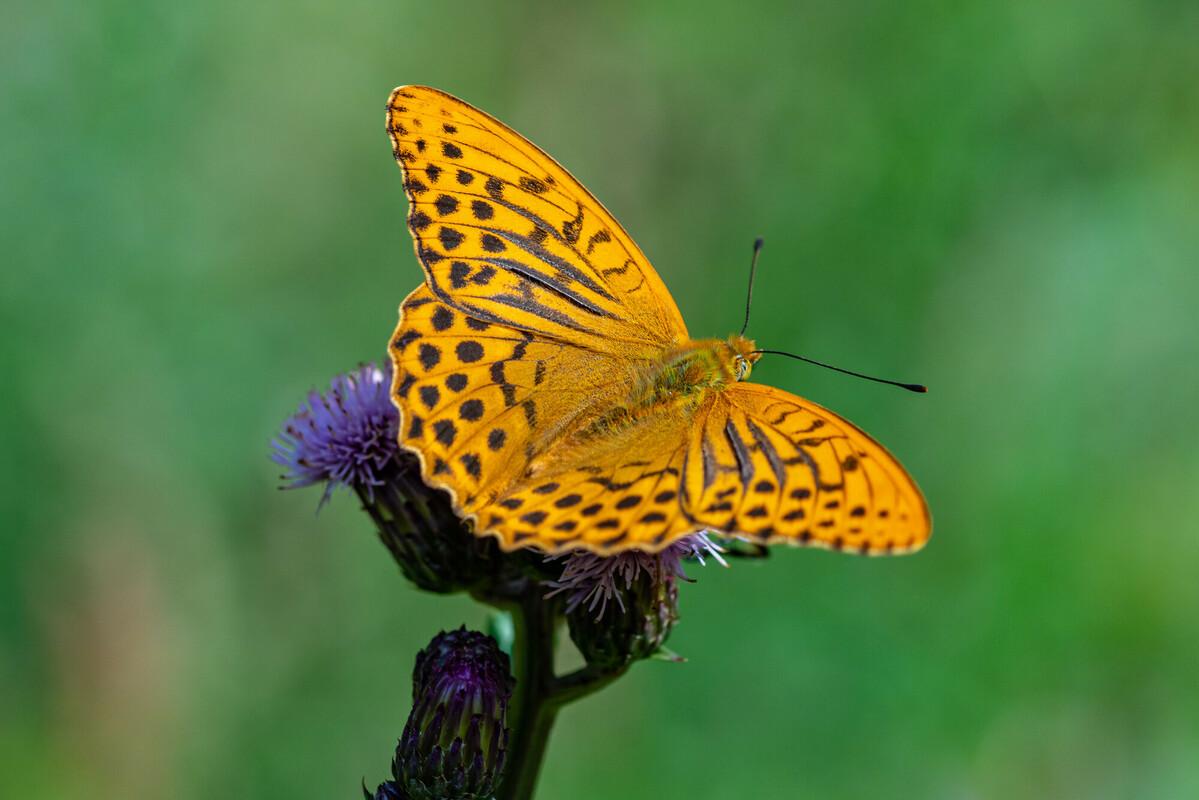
(507, 235)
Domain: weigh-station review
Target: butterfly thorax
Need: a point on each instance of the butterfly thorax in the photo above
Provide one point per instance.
(681, 376)
(692, 368)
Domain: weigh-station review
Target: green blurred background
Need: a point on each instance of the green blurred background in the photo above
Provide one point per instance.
(201, 220)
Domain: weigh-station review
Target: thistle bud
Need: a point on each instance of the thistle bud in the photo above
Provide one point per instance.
(386, 791)
(622, 608)
(636, 629)
(454, 744)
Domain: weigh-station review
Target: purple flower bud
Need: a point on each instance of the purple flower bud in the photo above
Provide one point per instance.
(454, 744)
(388, 790)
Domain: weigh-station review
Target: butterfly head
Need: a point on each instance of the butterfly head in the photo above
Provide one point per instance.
(744, 355)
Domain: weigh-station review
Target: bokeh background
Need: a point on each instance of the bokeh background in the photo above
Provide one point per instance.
(201, 220)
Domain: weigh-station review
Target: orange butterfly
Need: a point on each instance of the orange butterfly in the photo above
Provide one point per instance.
(546, 380)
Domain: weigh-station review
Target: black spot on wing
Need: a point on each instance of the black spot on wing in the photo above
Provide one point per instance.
(406, 338)
(449, 237)
(469, 351)
(442, 319)
(429, 356)
(471, 462)
(445, 431)
(568, 500)
(429, 396)
(532, 185)
(459, 271)
(471, 410)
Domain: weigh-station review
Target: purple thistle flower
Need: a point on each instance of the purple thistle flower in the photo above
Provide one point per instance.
(346, 437)
(591, 581)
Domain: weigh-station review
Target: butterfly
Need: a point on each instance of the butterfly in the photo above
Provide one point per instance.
(545, 378)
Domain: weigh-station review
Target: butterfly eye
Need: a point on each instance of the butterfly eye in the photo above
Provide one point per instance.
(742, 367)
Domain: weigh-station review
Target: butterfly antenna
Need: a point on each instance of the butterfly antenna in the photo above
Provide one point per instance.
(749, 295)
(911, 387)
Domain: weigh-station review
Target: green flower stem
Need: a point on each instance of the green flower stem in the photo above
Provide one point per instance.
(540, 695)
(533, 716)
(581, 683)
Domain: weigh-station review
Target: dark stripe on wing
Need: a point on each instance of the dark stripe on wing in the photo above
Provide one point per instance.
(526, 303)
(533, 248)
(545, 281)
(767, 449)
(745, 463)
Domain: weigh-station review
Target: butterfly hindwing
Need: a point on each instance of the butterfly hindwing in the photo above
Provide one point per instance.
(773, 467)
(750, 461)
(507, 235)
